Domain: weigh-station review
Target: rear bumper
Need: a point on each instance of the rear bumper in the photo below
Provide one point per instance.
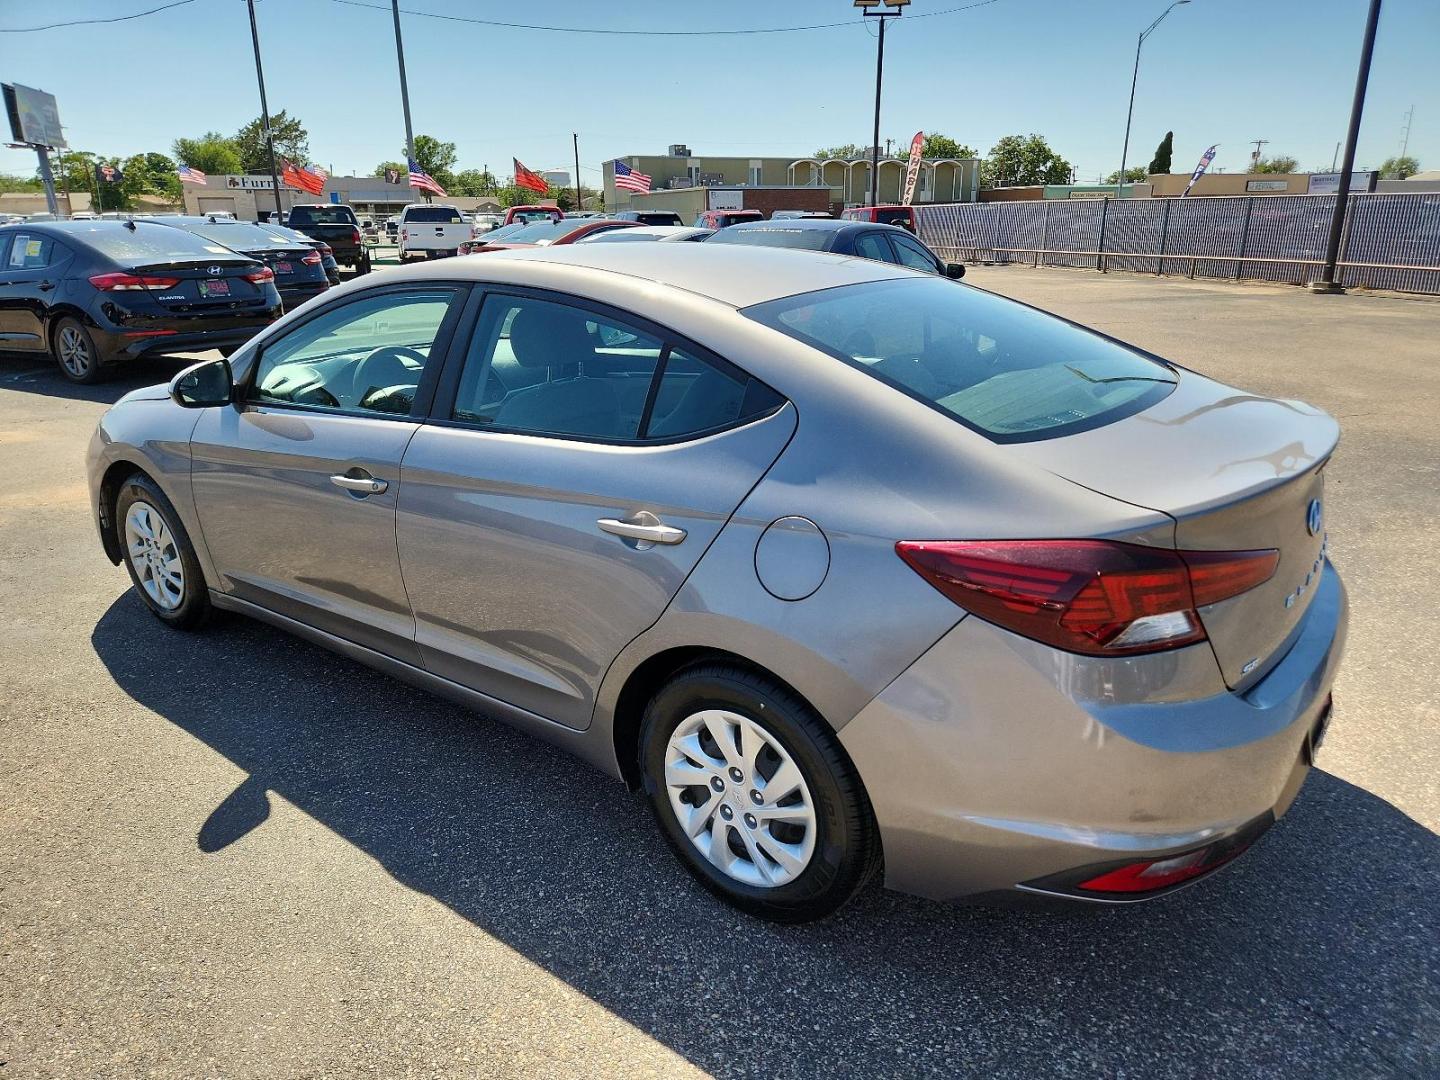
(996, 764)
(123, 335)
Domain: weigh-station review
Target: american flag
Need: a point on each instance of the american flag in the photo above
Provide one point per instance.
(190, 176)
(630, 180)
(419, 178)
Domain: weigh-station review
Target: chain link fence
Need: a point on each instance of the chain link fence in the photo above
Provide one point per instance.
(1389, 242)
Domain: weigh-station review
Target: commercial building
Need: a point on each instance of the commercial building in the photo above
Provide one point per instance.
(847, 180)
(1169, 185)
(248, 196)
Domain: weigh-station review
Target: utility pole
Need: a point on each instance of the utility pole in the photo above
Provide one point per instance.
(1134, 79)
(1328, 282)
(579, 202)
(404, 91)
(264, 109)
(1409, 119)
(1335, 157)
(1255, 154)
(872, 9)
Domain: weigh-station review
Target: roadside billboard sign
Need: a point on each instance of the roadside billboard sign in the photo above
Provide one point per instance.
(1328, 183)
(34, 118)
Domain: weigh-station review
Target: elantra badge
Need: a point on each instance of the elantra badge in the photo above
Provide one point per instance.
(1314, 517)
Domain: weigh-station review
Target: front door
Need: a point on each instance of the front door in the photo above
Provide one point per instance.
(296, 484)
(29, 277)
(574, 477)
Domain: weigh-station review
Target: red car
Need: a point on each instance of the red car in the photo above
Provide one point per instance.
(547, 233)
(904, 216)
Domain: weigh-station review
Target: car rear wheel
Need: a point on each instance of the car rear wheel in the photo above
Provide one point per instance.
(755, 794)
(76, 352)
(159, 556)
(363, 266)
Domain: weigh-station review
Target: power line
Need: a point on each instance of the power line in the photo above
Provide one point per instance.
(643, 33)
(91, 22)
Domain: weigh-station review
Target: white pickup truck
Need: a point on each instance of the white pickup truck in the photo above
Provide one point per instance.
(431, 231)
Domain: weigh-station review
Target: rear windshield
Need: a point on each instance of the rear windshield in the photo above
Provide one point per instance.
(540, 230)
(656, 218)
(242, 236)
(1007, 371)
(898, 215)
(809, 239)
(150, 244)
(321, 215)
(446, 215)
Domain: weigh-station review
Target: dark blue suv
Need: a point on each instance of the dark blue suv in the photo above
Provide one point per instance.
(864, 239)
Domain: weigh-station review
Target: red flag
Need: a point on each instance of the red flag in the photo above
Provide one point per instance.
(303, 179)
(527, 179)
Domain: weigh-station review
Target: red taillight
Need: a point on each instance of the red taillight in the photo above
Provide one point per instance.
(1153, 874)
(131, 282)
(1098, 597)
(312, 259)
(259, 277)
(324, 249)
(356, 237)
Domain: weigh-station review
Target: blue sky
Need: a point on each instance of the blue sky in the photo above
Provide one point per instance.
(1226, 71)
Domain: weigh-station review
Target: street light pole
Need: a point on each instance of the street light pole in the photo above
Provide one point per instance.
(871, 9)
(404, 91)
(1328, 282)
(1135, 78)
(265, 109)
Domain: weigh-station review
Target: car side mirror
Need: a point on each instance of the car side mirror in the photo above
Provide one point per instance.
(954, 271)
(203, 385)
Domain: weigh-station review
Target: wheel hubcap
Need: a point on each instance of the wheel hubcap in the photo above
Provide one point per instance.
(154, 556)
(74, 352)
(740, 798)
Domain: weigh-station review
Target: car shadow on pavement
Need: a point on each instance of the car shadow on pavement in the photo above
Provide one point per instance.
(31, 373)
(1315, 954)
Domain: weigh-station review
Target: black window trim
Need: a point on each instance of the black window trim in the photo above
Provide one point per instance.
(443, 401)
(465, 296)
(897, 242)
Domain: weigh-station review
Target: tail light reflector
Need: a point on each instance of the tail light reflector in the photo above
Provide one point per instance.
(312, 259)
(259, 277)
(1097, 597)
(119, 282)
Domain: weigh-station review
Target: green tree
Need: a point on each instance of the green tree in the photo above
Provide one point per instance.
(150, 174)
(1399, 168)
(210, 153)
(291, 141)
(472, 182)
(436, 158)
(385, 166)
(1160, 163)
(9, 182)
(1133, 175)
(1280, 164)
(1024, 159)
(513, 195)
(848, 152)
(942, 146)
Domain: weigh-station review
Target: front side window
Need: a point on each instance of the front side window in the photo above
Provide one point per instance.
(367, 355)
(911, 254)
(546, 368)
(29, 252)
(1009, 372)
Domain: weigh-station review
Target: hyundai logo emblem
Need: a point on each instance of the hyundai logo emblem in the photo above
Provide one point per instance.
(214, 271)
(1314, 517)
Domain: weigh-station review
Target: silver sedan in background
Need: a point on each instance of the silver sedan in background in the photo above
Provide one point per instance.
(844, 565)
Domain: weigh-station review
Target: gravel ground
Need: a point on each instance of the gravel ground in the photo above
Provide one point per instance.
(235, 854)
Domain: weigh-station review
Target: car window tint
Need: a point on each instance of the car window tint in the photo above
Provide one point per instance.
(321, 215)
(911, 254)
(1002, 369)
(366, 355)
(445, 215)
(29, 252)
(872, 246)
(696, 396)
(547, 368)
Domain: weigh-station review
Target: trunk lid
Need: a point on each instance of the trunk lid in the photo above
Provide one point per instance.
(210, 285)
(1236, 471)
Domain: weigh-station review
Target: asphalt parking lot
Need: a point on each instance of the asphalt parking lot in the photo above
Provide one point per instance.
(235, 854)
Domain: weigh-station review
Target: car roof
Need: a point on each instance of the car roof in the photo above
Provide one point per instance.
(738, 275)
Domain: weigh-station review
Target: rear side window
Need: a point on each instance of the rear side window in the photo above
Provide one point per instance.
(443, 215)
(546, 368)
(1007, 371)
(321, 215)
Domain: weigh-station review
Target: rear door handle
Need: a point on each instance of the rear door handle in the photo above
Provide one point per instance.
(644, 527)
(46, 286)
(361, 485)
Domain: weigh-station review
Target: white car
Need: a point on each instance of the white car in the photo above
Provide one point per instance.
(431, 231)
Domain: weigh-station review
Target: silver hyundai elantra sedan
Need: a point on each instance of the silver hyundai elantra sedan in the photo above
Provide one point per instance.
(844, 565)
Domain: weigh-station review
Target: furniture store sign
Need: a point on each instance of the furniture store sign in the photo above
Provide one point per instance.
(247, 183)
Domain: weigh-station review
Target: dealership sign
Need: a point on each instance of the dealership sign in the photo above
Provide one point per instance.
(1328, 183)
(248, 183)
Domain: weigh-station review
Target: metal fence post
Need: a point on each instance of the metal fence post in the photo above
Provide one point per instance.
(1244, 236)
(1164, 232)
(1044, 235)
(1100, 247)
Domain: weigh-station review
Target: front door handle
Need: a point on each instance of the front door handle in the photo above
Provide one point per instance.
(364, 484)
(644, 528)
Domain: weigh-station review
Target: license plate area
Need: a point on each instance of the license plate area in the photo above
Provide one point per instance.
(214, 288)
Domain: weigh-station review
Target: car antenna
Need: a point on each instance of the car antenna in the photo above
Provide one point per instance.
(130, 223)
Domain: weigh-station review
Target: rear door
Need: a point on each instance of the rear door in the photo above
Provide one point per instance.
(577, 465)
(296, 484)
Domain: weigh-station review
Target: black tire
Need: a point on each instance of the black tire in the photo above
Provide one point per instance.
(194, 607)
(846, 849)
(363, 266)
(76, 353)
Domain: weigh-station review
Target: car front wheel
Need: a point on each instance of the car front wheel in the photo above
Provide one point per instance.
(159, 556)
(755, 795)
